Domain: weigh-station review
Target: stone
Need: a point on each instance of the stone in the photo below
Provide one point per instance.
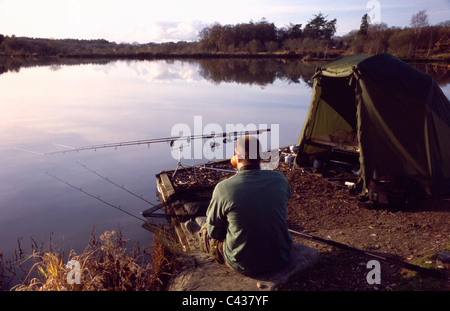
(200, 272)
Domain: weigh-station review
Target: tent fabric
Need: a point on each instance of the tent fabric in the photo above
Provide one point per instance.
(400, 115)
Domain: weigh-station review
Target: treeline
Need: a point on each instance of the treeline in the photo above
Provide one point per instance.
(418, 41)
(317, 38)
(314, 40)
(264, 37)
(23, 46)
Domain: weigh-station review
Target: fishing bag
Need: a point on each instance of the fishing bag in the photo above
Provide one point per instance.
(393, 193)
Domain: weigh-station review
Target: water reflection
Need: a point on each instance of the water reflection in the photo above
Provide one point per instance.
(246, 71)
(11, 64)
(257, 71)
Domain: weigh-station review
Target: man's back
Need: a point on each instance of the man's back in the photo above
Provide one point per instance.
(249, 212)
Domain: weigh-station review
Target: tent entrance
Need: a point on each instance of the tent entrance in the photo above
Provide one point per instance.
(340, 96)
(395, 117)
(330, 137)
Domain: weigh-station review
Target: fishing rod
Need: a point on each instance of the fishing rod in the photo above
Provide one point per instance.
(96, 197)
(171, 140)
(356, 250)
(156, 207)
(30, 151)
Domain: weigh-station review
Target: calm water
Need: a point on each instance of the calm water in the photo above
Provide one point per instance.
(46, 106)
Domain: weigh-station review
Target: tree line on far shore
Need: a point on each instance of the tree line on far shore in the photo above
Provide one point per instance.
(315, 40)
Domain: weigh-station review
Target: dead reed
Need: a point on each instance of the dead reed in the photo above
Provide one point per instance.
(104, 265)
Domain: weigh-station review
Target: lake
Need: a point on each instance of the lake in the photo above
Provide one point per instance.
(48, 106)
(54, 106)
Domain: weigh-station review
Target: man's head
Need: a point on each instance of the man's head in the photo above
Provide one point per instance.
(247, 151)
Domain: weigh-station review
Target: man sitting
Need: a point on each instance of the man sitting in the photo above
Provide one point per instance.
(246, 219)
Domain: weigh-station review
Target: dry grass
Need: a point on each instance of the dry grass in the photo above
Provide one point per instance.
(105, 265)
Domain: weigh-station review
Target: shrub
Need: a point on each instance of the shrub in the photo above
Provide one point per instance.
(105, 265)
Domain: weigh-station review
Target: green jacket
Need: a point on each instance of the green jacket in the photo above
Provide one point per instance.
(248, 211)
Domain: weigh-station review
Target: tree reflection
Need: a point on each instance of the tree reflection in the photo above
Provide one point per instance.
(259, 72)
(265, 71)
(251, 71)
(14, 64)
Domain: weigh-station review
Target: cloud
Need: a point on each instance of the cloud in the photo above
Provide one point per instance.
(175, 31)
(159, 31)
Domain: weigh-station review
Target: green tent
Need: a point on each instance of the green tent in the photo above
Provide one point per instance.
(395, 120)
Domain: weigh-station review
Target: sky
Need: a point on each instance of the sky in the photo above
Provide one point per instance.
(146, 21)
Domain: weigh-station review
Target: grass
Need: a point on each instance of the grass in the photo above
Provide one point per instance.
(104, 265)
(412, 281)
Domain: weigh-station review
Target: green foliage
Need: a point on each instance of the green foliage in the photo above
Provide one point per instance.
(262, 37)
(365, 23)
(402, 43)
(320, 28)
(241, 37)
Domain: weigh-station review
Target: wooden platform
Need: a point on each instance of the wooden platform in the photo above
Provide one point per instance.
(200, 271)
(174, 201)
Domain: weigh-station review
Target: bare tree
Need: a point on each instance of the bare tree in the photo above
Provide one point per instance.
(419, 21)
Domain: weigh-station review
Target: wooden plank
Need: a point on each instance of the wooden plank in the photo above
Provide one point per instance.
(192, 240)
(167, 184)
(182, 238)
(181, 212)
(163, 193)
(178, 209)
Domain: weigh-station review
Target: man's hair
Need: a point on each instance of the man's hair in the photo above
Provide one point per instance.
(248, 149)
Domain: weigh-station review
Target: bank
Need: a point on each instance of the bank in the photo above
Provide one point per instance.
(306, 55)
(321, 206)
